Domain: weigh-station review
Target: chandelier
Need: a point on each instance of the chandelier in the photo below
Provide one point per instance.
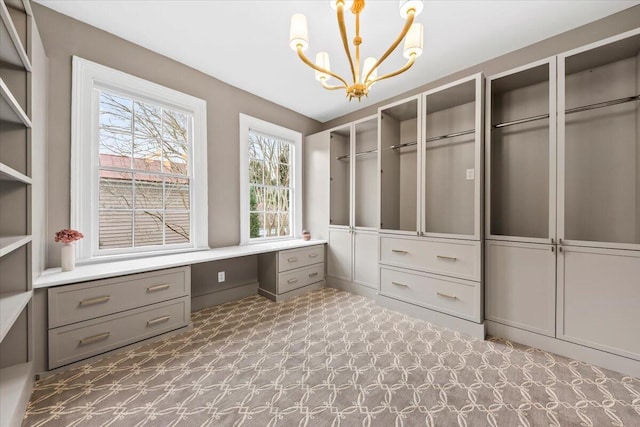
(360, 83)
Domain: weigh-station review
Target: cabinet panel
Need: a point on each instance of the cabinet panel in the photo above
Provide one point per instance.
(520, 285)
(365, 262)
(296, 258)
(454, 258)
(339, 254)
(598, 299)
(340, 176)
(299, 278)
(365, 163)
(452, 296)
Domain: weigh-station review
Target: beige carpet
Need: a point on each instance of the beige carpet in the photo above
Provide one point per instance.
(329, 358)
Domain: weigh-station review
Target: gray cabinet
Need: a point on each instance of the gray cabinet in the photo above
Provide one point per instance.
(287, 273)
(91, 318)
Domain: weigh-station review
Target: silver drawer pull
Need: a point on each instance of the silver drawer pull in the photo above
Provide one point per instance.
(399, 251)
(95, 338)
(440, 294)
(399, 284)
(158, 320)
(447, 258)
(292, 280)
(313, 274)
(313, 255)
(158, 288)
(93, 301)
(292, 259)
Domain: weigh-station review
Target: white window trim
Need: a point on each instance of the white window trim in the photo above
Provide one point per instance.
(84, 155)
(247, 123)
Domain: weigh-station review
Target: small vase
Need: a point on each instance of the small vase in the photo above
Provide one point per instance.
(68, 256)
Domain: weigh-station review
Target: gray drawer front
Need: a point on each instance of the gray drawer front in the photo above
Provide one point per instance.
(296, 258)
(75, 342)
(85, 301)
(299, 278)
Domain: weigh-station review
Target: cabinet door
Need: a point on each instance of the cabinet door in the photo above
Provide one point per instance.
(365, 259)
(520, 283)
(339, 254)
(599, 299)
(316, 185)
(340, 176)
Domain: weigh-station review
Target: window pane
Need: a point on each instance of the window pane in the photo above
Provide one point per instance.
(147, 154)
(283, 175)
(258, 193)
(256, 221)
(283, 200)
(271, 224)
(176, 193)
(255, 147)
(177, 226)
(147, 120)
(174, 126)
(175, 156)
(284, 154)
(115, 112)
(284, 228)
(148, 191)
(271, 199)
(256, 169)
(116, 190)
(148, 228)
(115, 149)
(115, 229)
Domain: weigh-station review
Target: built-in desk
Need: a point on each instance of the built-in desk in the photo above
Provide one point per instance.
(100, 307)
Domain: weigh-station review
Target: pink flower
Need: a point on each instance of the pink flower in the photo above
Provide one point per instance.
(68, 236)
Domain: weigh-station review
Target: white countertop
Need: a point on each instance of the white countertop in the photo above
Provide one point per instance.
(83, 273)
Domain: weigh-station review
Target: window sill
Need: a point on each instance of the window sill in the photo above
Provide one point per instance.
(82, 273)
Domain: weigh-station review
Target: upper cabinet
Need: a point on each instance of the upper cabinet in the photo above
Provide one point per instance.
(521, 154)
(340, 176)
(599, 144)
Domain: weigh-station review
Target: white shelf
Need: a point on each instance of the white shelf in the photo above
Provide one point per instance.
(10, 174)
(16, 384)
(9, 244)
(11, 49)
(11, 305)
(10, 110)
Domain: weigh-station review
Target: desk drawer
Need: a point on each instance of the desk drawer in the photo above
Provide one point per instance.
(459, 259)
(296, 258)
(76, 303)
(301, 277)
(459, 298)
(75, 342)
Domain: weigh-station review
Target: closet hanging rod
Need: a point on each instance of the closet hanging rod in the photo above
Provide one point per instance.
(571, 110)
(451, 135)
(361, 153)
(406, 144)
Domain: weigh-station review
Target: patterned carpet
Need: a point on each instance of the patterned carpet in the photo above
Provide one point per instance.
(329, 358)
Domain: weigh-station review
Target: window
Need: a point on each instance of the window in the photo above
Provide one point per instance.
(134, 184)
(270, 178)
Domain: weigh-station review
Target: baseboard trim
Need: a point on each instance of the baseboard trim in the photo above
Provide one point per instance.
(220, 297)
(595, 357)
(288, 295)
(475, 330)
(354, 288)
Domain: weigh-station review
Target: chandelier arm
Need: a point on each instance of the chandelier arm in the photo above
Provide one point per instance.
(343, 34)
(408, 65)
(357, 70)
(331, 87)
(304, 59)
(410, 16)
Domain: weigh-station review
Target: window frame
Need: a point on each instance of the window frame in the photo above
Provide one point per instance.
(87, 80)
(248, 123)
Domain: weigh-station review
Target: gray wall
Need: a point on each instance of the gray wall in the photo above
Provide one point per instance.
(611, 25)
(64, 37)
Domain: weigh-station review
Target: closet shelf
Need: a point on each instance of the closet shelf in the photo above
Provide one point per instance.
(361, 153)
(11, 49)
(10, 110)
(9, 244)
(571, 111)
(11, 305)
(16, 383)
(9, 174)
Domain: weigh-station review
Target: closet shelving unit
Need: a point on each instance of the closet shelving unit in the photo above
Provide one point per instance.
(16, 368)
(353, 237)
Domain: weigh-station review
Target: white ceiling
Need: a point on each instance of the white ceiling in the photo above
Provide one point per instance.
(245, 43)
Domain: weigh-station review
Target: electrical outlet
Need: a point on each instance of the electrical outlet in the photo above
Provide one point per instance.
(221, 276)
(471, 174)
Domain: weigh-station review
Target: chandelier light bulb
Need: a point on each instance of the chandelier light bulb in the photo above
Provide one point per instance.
(347, 4)
(299, 32)
(322, 60)
(368, 64)
(413, 41)
(406, 5)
